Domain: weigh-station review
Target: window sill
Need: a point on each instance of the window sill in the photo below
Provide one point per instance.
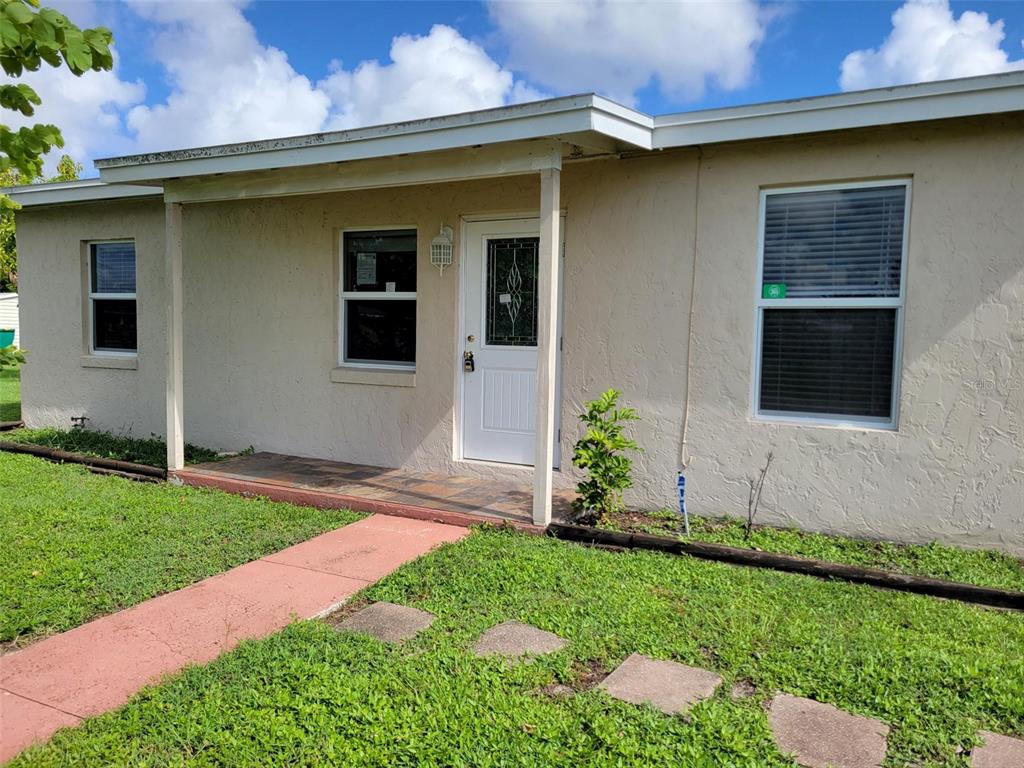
(117, 362)
(382, 377)
(828, 423)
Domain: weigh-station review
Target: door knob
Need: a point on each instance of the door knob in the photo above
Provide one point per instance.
(468, 363)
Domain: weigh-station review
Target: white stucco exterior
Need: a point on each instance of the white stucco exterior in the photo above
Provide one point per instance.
(644, 234)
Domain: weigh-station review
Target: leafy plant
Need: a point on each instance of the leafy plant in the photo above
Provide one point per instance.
(600, 453)
(67, 170)
(29, 37)
(11, 356)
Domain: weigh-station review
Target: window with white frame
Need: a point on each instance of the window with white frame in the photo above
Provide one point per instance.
(830, 303)
(113, 319)
(378, 298)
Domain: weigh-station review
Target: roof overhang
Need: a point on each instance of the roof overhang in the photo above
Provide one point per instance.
(508, 139)
(945, 99)
(84, 191)
(587, 121)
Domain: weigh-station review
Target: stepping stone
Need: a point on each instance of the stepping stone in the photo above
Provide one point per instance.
(387, 621)
(998, 751)
(515, 640)
(821, 736)
(665, 685)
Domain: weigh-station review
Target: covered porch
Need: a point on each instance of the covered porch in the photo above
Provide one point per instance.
(454, 499)
(226, 210)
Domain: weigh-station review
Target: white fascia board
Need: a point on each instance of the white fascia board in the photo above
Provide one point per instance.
(990, 94)
(548, 119)
(84, 191)
(620, 124)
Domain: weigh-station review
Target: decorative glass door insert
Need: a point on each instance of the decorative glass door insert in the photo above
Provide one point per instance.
(511, 291)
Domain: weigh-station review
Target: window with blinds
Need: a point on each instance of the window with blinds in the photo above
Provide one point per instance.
(831, 298)
(112, 308)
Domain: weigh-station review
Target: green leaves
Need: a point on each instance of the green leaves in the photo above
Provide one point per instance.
(11, 356)
(599, 452)
(29, 38)
(17, 13)
(23, 149)
(20, 98)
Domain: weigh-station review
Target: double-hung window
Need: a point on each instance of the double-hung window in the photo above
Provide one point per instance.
(378, 298)
(830, 303)
(113, 321)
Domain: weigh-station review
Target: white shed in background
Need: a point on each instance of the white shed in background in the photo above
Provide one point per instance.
(9, 314)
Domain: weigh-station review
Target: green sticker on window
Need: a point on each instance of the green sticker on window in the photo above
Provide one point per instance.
(773, 291)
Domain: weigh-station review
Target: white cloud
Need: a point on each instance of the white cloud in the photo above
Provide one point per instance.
(88, 110)
(618, 47)
(435, 74)
(928, 42)
(227, 86)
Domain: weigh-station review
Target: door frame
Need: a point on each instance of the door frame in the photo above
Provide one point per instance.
(458, 454)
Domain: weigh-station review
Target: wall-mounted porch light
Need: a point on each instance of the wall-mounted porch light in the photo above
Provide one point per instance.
(441, 248)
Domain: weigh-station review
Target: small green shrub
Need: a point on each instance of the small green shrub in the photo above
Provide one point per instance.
(600, 453)
(11, 356)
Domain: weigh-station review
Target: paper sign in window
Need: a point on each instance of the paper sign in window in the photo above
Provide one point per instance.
(366, 268)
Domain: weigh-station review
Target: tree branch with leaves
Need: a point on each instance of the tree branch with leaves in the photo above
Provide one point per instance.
(31, 36)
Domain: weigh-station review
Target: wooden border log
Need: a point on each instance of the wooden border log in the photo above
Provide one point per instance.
(66, 457)
(923, 585)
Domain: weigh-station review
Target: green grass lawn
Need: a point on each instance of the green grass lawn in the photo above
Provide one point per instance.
(936, 671)
(983, 567)
(10, 394)
(74, 545)
(151, 451)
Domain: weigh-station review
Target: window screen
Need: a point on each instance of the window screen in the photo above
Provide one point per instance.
(831, 298)
(378, 297)
(828, 361)
(112, 301)
(835, 243)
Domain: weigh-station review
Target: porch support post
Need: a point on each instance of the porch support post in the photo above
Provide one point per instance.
(173, 260)
(547, 341)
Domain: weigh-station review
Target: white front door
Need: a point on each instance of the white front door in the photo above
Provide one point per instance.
(500, 332)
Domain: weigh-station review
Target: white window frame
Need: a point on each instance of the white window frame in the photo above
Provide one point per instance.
(93, 296)
(896, 302)
(344, 296)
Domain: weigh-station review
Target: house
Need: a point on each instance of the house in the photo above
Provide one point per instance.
(9, 315)
(838, 280)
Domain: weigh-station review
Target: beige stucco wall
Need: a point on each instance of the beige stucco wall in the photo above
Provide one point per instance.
(261, 309)
(954, 470)
(51, 272)
(260, 329)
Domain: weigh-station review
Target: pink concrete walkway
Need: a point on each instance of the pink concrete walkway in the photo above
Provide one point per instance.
(96, 667)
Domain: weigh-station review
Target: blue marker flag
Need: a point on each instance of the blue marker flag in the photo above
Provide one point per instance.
(681, 486)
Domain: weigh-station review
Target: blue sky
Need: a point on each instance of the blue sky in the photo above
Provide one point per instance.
(800, 56)
(193, 72)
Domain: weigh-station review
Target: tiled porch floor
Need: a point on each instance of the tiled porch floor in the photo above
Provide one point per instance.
(375, 489)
